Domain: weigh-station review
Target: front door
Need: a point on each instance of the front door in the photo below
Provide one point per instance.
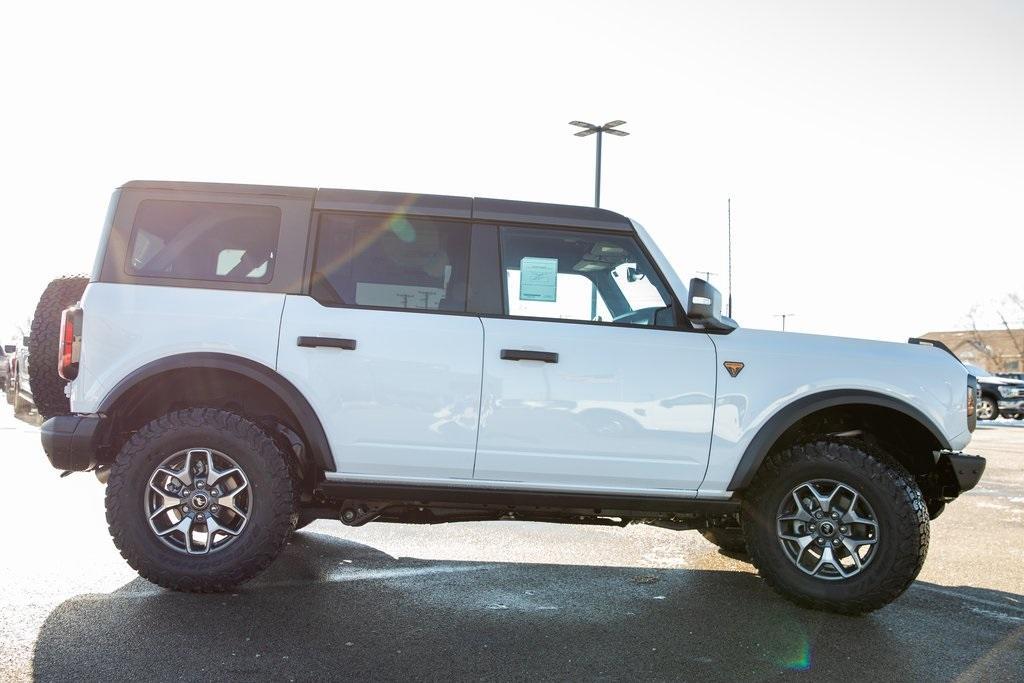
(588, 381)
(380, 350)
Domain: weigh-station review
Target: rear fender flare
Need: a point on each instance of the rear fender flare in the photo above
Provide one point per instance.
(309, 421)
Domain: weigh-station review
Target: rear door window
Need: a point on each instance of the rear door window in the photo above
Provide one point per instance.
(391, 262)
(204, 241)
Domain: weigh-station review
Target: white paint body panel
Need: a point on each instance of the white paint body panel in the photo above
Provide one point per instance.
(625, 407)
(405, 402)
(127, 326)
(781, 367)
(426, 398)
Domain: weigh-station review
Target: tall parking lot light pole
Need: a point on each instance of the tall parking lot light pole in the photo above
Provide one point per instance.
(590, 129)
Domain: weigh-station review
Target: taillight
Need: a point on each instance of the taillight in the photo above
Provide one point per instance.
(70, 350)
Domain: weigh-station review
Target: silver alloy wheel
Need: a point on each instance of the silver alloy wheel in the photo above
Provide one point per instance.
(827, 529)
(987, 409)
(198, 501)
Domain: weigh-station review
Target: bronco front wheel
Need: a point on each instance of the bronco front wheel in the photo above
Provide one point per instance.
(200, 500)
(836, 526)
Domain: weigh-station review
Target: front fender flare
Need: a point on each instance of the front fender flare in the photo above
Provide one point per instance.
(793, 412)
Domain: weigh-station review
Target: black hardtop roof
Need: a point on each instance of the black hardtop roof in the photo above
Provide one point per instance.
(369, 201)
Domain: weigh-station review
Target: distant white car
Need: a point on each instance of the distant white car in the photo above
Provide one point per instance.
(246, 359)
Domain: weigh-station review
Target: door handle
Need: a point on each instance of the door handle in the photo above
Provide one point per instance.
(518, 354)
(331, 342)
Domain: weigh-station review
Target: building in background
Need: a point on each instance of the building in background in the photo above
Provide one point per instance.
(993, 350)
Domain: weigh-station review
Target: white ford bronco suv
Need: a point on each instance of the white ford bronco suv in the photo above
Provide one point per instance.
(246, 359)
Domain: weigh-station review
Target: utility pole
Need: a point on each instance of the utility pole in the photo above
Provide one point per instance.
(783, 316)
(590, 129)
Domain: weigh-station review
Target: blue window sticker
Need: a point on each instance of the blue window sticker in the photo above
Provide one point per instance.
(538, 278)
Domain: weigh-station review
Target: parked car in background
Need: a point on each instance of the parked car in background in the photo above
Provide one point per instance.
(21, 395)
(7, 352)
(1000, 396)
(1011, 375)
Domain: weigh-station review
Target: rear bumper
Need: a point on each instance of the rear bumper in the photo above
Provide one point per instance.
(961, 471)
(70, 441)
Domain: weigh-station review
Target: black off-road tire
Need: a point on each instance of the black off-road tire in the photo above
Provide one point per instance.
(893, 494)
(270, 519)
(729, 540)
(47, 386)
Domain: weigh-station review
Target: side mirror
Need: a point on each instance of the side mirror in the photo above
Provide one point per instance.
(10, 348)
(704, 307)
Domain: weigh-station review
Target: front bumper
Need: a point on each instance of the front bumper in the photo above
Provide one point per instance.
(70, 441)
(1011, 405)
(960, 472)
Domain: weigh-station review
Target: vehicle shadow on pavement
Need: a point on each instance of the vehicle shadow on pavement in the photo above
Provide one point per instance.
(330, 608)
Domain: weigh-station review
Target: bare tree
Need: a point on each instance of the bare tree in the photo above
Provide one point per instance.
(978, 342)
(1017, 301)
(1015, 339)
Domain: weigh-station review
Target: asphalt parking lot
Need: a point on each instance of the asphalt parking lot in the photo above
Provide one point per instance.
(497, 600)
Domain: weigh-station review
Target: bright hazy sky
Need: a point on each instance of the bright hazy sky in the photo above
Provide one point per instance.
(874, 151)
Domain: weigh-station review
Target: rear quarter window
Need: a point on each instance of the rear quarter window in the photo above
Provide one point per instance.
(208, 241)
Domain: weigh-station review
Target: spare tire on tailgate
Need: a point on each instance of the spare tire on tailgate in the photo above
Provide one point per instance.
(43, 342)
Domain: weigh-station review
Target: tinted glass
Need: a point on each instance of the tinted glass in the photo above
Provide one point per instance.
(576, 275)
(204, 241)
(391, 262)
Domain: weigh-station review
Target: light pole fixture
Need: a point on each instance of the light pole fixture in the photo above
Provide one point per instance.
(589, 129)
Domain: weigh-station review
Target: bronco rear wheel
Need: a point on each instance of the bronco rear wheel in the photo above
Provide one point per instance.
(200, 500)
(836, 526)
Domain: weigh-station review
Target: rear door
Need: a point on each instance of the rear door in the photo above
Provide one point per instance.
(383, 348)
(589, 383)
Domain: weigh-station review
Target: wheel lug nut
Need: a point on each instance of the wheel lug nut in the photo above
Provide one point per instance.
(214, 508)
(200, 484)
(835, 515)
(184, 508)
(821, 541)
(817, 514)
(811, 527)
(184, 492)
(835, 541)
(199, 516)
(842, 529)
